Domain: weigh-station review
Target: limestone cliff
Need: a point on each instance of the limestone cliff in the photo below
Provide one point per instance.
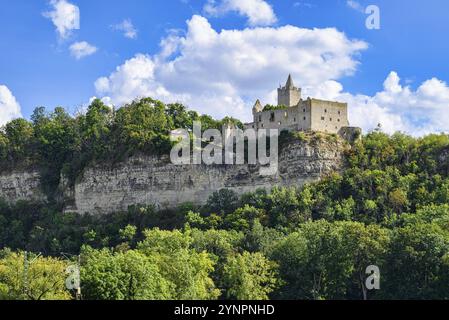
(154, 180)
(21, 185)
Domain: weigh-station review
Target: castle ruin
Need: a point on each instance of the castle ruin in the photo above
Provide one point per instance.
(295, 114)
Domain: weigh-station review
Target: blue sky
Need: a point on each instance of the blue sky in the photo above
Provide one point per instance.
(396, 75)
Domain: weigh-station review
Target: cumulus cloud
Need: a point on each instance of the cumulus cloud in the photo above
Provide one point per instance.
(9, 107)
(135, 78)
(65, 16)
(258, 12)
(82, 49)
(223, 73)
(127, 27)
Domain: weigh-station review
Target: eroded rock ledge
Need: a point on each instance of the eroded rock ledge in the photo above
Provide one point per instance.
(154, 180)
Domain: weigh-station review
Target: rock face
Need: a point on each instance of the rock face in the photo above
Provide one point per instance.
(155, 180)
(150, 180)
(21, 185)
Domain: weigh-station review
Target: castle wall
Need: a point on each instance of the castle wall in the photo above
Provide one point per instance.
(305, 115)
(294, 118)
(308, 115)
(328, 116)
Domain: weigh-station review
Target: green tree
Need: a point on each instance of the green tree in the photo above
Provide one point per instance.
(142, 126)
(58, 140)
(416, 263)
(321, 260)
(129, 275)
(222, 202)
(250, 276)
(179, 117)
(19, 139)
(242, 218)
(219, 244)
(95, 127)
(285, 208)
(187, 270)
(44, 278)
(365, 246)
(128, 233)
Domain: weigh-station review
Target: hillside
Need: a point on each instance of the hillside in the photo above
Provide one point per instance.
(386, 204)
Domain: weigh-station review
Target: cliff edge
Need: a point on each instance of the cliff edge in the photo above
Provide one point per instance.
(145, 180)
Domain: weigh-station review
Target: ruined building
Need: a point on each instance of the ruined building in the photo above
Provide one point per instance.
(295, 114)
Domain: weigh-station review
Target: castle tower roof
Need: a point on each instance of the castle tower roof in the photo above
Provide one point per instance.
(289, 83)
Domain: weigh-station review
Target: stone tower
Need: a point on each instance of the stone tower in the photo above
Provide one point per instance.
(256, 110)
(257, 107)
(289, 95)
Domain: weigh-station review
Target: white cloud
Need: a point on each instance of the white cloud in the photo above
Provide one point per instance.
(355, 5)
(223, 73)
(258, 12)
(135, 78)
(9, 107)
(127, 27)
(65, 16)
(303, 4)
(82, 49)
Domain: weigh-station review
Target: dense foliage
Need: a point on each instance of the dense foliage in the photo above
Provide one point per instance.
(389, 208)
(270, 107)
